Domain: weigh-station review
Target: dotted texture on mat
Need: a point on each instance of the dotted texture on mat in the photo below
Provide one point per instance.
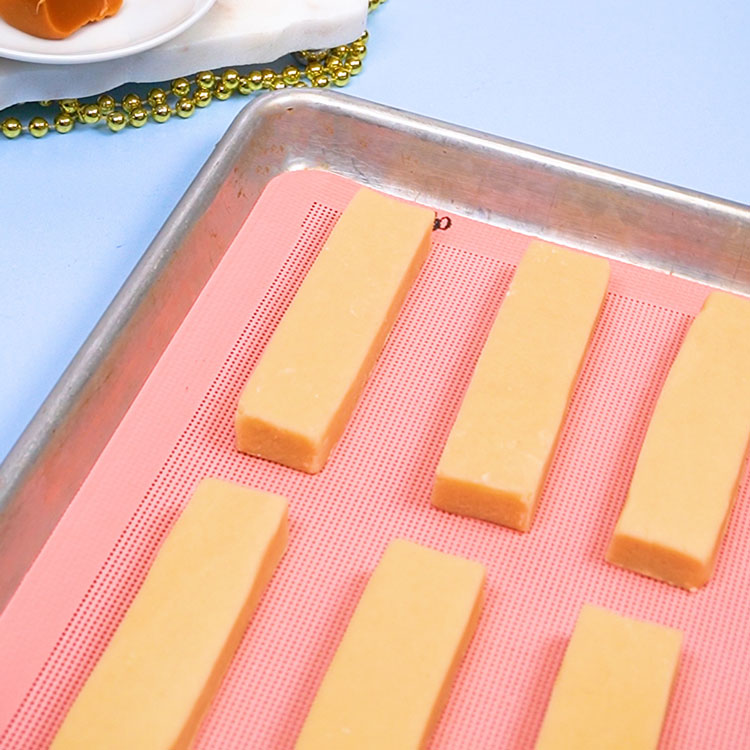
(376, 486)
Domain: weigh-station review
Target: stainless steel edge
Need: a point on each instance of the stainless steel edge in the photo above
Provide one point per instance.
(491, 179)
(528, 189)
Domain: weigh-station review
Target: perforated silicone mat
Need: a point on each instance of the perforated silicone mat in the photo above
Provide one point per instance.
(376, 487)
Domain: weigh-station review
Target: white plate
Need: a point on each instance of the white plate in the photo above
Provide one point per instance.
(138, 26)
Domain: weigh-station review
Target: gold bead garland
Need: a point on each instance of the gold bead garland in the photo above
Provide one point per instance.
(318, 69)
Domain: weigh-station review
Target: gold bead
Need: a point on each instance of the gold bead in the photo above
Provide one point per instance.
(313, 56)
(106, 104)
(205, 80)
(116, 121)
(255, 80)
(161, 112)
(290, 75)
(185, 107)
(231, 79)
(89, 113)
(202, 98)
(313, 70)
(333, 63)
(269, 76)
(45, 103)
(221, 92)
(365, 36)
(38, 127)
(341, 51)
(322, 81)
(300, 85)
(131, 102)
(354, 66)
(244, 86)
(181, 87)
(157, 96)
(357, 49)
(64, 122)
(278, 84)
(372, 5)
(139, 117)
(341, 77)
(69, 106)
(12, 127)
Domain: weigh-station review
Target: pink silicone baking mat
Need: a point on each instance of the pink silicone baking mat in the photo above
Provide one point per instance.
(375, 487)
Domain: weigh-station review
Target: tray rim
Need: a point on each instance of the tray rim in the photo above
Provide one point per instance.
(37, 483)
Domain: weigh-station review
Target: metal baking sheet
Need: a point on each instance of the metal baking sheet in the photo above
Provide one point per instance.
(497, 181)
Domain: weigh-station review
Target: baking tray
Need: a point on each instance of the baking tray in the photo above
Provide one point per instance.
(498, 182)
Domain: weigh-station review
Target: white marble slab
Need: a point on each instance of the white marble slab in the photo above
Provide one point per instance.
(233, 32)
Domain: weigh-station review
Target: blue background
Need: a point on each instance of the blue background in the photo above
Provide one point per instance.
(653, 87)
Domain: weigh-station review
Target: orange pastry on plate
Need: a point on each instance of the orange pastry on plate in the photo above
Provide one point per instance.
(55, 19)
